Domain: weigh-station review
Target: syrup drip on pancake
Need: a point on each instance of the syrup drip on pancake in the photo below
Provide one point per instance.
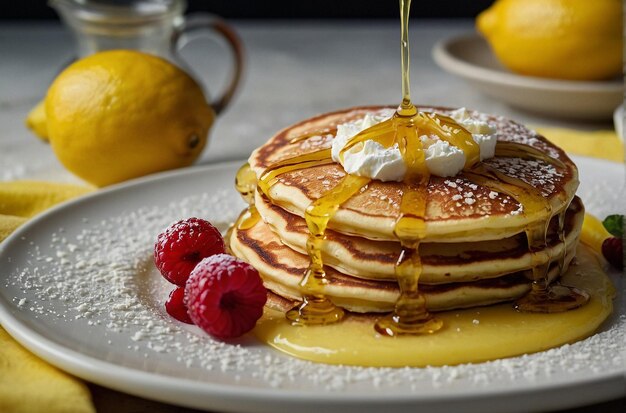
(543, 297)
(445, 128)
(410, 315)
(316, 308)
(246, 184)
(562, 239)
(270, 175)
(404, 128)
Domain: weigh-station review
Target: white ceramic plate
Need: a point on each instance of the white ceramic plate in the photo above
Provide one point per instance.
(470, 58)
(79, 289)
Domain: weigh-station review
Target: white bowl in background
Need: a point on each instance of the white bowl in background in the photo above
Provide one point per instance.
(470, 57)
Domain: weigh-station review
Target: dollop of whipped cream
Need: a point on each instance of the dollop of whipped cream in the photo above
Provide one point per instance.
(375, 161)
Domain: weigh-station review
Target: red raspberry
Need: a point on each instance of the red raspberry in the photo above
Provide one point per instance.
(225, 296)
(613, 251)
(176, 307)
(184, 244)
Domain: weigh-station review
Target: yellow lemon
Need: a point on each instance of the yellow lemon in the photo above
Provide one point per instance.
(593, 233)
(563, 39)
(36, 121)
(121, 114)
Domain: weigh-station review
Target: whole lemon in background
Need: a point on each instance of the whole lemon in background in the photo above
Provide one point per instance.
(120, 114)
(563, 39)
(36, 121)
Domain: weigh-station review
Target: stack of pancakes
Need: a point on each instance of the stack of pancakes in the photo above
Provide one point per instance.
(475, 251)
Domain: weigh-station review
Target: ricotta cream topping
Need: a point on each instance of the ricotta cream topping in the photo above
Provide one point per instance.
(375, 161)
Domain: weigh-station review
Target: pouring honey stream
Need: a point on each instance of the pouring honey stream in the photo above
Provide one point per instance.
(404, 129)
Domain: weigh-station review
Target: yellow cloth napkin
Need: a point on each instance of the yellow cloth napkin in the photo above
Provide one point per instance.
(604, 144)
(28, 384)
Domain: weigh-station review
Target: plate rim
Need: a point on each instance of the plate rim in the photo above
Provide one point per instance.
(451, 62)
(125, 379)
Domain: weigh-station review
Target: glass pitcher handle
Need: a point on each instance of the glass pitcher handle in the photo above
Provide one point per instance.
(198, 22)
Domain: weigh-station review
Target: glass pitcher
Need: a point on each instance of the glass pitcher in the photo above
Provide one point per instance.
(152, 26)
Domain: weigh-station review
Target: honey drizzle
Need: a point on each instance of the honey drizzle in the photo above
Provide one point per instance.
(315, 307)
(449, 130)
(311, 159)
(410, 315)
(543, 296)
(405, 9)
(562, 240)
(444, 127)
(383, 133)
(246, 183)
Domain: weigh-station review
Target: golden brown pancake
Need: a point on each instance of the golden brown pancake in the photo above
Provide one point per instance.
(282, 269)
(442, 262)
(458, 209)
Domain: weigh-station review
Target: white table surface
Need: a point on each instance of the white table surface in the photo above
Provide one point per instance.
(294, 70)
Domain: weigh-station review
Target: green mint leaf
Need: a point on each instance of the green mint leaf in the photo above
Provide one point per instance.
(615, 225)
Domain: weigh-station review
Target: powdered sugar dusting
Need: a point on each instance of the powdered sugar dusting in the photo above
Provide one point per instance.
(511, 131)
(460, 197)
(98, 284)
(538, 174)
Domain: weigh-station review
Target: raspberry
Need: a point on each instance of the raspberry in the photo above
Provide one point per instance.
(176, 307)
(613, 251)
(184, 244)
(225, 296)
